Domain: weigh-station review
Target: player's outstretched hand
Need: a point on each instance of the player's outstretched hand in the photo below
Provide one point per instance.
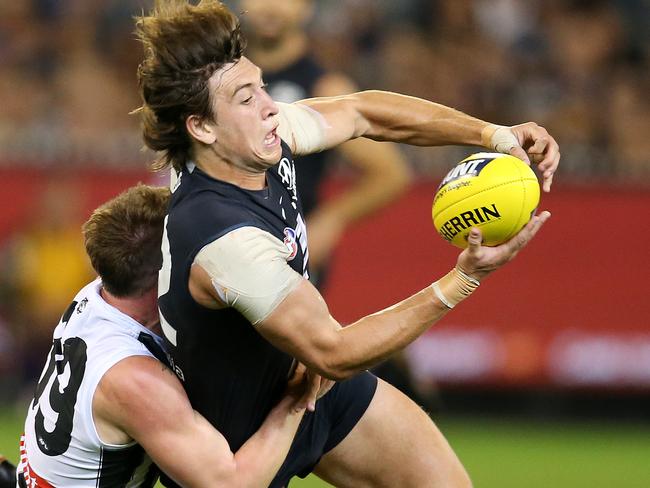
(479, 261)
(539, 147)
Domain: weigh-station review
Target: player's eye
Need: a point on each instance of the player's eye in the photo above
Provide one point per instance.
(247, 101)
(264, 85)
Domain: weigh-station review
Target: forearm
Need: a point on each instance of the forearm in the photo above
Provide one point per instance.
(375, 337)
(260, 458)
(302, 326)
(254, 464)
(387, 116)
(153, 409)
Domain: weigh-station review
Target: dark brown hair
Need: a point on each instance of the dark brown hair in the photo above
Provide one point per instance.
(184, 45)
(123, 237)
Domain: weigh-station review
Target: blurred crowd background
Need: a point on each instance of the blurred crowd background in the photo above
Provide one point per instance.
(579, 67)
(67, 85)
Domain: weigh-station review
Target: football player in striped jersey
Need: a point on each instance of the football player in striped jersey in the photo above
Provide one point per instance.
(107, 393)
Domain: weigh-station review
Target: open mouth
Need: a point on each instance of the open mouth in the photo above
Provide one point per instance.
(272, 138)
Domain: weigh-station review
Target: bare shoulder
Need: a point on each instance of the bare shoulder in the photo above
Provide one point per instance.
(138, 375)
(138, 390)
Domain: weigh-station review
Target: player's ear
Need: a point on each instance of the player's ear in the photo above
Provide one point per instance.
(201, 129)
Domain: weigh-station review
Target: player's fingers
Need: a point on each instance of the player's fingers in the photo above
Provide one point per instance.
(540, 145)
(474, 240)
(551, 158)
(300, 369)
(519, 152)
(311, 391)
(528, 232)
(536, 158)
(548, 181)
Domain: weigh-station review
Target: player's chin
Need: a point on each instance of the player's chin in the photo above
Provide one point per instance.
(270, 153)
(265, 160)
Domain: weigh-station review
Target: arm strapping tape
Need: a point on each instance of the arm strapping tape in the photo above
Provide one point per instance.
(249, 271)
(454, 287)
(302, 127)
(498, 138)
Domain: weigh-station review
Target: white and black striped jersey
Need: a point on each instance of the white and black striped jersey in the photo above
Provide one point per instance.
(61, 446)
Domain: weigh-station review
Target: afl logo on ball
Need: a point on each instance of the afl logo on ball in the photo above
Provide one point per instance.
(290, 242)
(465, 168)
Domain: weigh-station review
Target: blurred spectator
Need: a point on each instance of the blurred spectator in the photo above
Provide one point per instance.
(629, 125)
(507, 61)
(584, 42)
(68, 82)
(43, 264)
(68, 72)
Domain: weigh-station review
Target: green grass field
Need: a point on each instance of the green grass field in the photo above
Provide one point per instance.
(519, 453)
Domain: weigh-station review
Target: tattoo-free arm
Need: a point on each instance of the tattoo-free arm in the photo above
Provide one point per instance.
(302, 325)
(142, 398)
(386, 116)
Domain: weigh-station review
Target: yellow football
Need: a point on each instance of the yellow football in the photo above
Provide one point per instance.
(497, 193)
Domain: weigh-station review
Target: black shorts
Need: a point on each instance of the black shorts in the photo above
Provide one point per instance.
(336, 415)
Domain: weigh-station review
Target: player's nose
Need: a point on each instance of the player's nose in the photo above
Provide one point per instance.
(269, 107)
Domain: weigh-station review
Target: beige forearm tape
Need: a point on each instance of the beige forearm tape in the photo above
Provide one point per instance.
(498, 138)
(454, 287)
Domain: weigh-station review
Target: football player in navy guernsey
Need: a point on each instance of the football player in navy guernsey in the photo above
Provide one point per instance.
(105, 397)
(279, 45)
(237, 309)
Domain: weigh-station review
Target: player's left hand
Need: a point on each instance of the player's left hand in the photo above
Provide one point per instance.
(537, 146)
(479, 261)
(528, 142)
(306, 387)
(325, 384)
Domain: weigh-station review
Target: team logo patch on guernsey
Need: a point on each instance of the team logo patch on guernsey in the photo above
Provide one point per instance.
(290, 242)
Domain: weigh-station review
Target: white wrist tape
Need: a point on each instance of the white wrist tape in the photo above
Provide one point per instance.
(498, 138)
(454, 287)
(440, 296)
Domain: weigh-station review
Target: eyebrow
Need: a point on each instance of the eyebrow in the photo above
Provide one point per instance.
(241, 87)
(245, 85)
